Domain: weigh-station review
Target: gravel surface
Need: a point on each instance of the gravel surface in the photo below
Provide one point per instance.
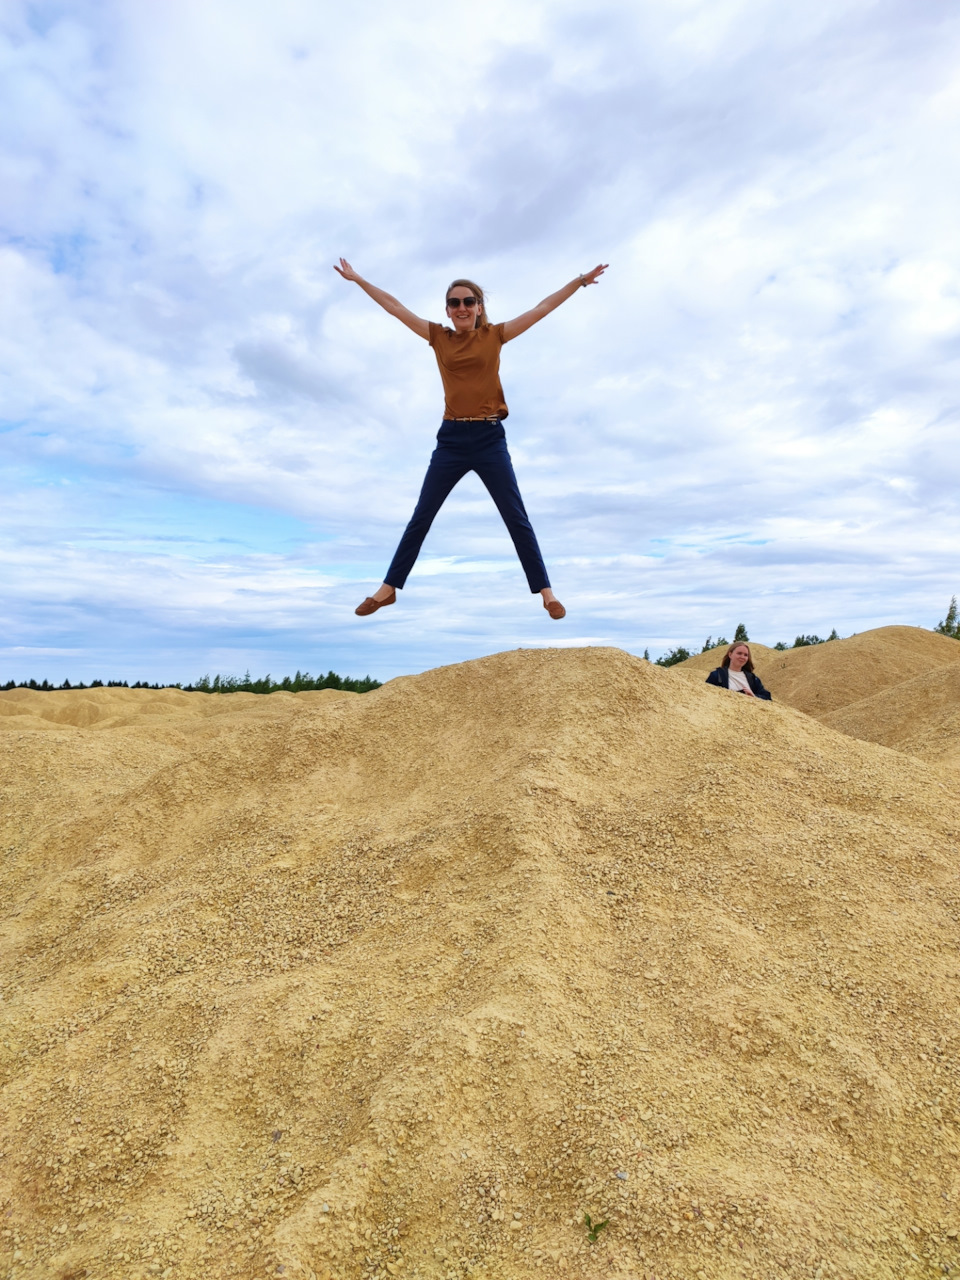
(406, 983)
(897, 686)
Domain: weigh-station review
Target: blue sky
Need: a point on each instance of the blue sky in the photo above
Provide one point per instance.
(211, 443)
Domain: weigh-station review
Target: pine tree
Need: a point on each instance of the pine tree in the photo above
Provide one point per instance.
(950, 626)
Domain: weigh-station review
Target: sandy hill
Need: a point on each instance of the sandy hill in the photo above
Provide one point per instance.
(904, 682)
(403, 984)
(111, 708)
(919, 716)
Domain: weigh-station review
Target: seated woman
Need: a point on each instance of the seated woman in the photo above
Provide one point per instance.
(736, 674)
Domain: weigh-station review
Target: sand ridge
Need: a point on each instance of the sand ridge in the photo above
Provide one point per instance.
(899, 686)
(403, 983)
(920, 716)
(113, 707)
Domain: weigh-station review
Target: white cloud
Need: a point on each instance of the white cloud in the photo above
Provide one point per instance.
(764, 383)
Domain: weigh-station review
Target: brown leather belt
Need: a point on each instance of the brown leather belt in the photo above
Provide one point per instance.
(493, 418)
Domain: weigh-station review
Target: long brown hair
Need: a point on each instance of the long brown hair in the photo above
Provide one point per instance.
(748, 665)
(477, 293)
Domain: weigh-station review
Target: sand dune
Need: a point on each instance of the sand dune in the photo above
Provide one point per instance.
(404, 983)
(899, 686)
(110, 708)
(820, 679)
(919, 716)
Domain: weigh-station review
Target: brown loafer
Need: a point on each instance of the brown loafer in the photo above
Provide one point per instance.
(371, 606)
(555, 609)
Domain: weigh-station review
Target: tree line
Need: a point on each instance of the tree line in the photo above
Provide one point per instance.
(681, 653)
(301, 682)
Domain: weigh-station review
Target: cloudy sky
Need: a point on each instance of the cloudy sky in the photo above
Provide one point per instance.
(211, 443)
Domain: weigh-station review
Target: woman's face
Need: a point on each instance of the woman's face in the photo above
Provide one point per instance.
(464, 314)
(738, 657)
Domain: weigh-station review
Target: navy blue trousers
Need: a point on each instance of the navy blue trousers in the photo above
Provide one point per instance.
(463, 447)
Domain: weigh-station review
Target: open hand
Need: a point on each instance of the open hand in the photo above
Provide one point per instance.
(346, 270)
(591, 277)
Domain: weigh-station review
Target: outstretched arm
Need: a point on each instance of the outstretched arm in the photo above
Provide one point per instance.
(386, 300)
(513, 328)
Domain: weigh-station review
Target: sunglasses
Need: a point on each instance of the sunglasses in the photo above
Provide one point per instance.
(467, 302)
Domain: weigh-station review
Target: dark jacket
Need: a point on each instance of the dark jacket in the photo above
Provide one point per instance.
(719, 677)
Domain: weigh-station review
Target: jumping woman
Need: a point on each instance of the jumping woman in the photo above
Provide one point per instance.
(471, 436)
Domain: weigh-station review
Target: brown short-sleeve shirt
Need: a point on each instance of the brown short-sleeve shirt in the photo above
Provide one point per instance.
(470, 370)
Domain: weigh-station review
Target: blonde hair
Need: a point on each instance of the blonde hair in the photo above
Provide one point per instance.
(477, 292)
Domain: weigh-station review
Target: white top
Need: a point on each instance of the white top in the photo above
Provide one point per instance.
(737, 681)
